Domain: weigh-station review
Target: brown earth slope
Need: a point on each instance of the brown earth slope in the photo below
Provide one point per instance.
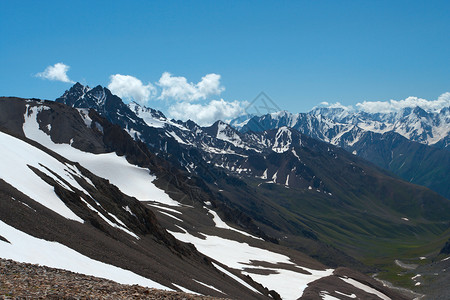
(21, 280)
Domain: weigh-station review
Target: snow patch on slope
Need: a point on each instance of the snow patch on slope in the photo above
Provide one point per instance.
(130, 179)
(15, 160)
(209, 286)
(221, 224)
(84, 113)
(122, 227)
(365, 288)
(239, 256)
(236, 278)
(283, 140)
(185, 290)
(287, 283)
(28, 249)
(225, 133)
(153, 118)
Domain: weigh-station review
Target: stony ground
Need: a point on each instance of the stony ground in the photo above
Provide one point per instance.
(27, 281)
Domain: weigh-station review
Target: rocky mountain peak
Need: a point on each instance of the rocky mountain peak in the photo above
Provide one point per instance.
(445, 111)
(75, 93)
(139, 110)
(98, 98)
(420, 112)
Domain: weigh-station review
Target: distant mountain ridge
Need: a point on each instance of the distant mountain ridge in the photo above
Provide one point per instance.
(328, 123)
(365, 134)
(414, 123)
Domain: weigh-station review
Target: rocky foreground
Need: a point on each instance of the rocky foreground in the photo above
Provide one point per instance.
(22, 280)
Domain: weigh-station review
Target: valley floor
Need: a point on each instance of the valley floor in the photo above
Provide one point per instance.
(21, 280)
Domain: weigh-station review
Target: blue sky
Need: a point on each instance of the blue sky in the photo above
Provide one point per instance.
(300, 53)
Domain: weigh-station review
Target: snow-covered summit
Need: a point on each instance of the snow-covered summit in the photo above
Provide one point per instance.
(328, 123)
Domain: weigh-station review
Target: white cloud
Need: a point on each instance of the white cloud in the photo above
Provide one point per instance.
(207, 114)
(178, 88)
(397, 105)
(444, 99)
(130, 88)
(180, 94)
(339, 105)
(57, 72)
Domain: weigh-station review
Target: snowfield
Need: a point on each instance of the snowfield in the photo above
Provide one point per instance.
(236, 255)
(26, 248)
(219, 223)
(234, 139)
(365, 288)
(15, 160)
(131, 180)
(289, 284)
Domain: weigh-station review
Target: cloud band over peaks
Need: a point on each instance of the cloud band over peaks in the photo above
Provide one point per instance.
(397, 105)
(392, 106)
(178, 88)
(207, 114)
(128, 87)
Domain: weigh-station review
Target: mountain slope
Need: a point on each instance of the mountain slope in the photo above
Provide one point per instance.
(22, 280)
(109, 226)
(367, 134)
(103, 228)
(287, 183)
(412, 161)
(306, 173)
(321, 193)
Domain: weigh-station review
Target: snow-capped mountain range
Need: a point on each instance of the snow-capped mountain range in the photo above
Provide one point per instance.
(78, 193)
(256, 204)
(330, 124)
(186, 143)
(99, 211)
(412, 142)
(230, 145)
